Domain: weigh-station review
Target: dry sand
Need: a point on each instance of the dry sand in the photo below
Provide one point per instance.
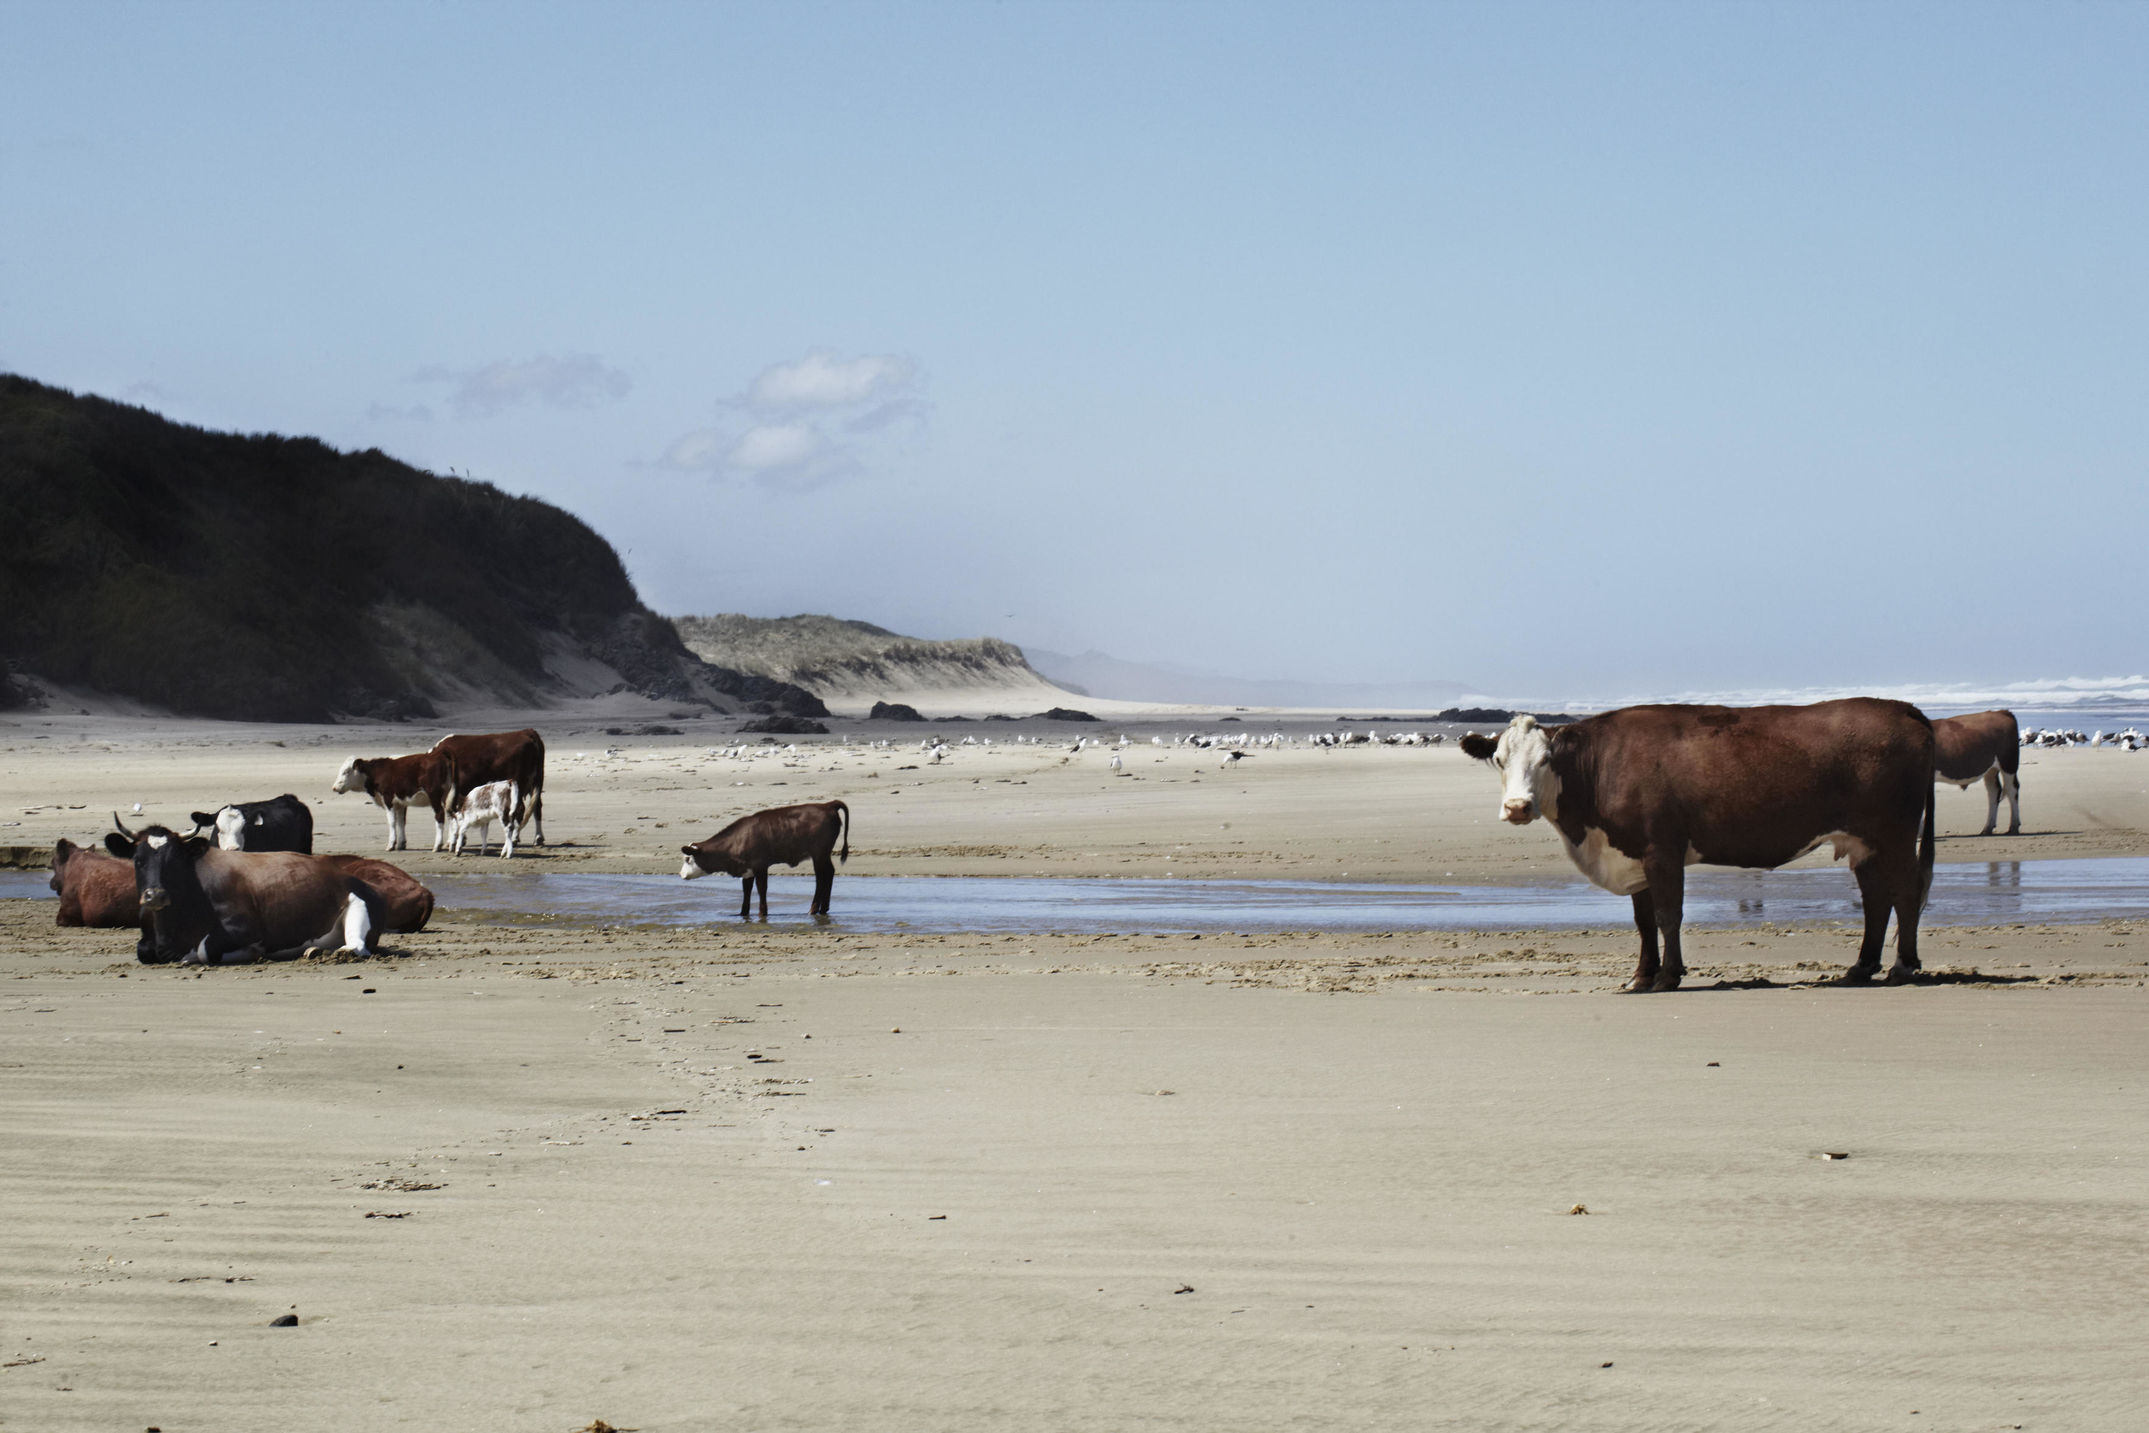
(696, 1179)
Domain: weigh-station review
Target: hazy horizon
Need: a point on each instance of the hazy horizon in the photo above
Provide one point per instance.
(1578, 351)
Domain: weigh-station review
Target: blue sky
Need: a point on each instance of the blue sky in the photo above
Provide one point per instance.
(1565, 349)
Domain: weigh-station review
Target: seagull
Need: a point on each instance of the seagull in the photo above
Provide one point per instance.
(1230, 757)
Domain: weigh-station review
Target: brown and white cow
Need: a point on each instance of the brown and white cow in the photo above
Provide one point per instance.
(479, 759)
(95, 889)
(477, 810)
(1639, 794)
(396, 783)
(1983, 744)
(781, 836)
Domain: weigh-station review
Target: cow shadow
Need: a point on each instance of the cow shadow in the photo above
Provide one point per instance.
(1837, 982)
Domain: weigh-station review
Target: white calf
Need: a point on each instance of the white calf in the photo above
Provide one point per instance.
(482, 806)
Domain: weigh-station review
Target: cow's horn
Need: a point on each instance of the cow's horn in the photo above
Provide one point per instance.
(122, 827)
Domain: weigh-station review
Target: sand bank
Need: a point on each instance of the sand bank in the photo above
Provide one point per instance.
(746, 1177)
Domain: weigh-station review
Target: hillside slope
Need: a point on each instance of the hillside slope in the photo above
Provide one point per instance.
(857, 662)
(260, 577)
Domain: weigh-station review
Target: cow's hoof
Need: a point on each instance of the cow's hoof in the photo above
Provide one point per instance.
(1900, 974)
(1858, 975)
(1666, 983)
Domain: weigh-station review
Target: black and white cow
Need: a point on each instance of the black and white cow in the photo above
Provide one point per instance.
(282, 824)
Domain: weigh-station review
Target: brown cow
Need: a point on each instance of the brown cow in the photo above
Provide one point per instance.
(395, 783)
(483, 758)
(1637, 795)
(95, 889)
(405, 904)
(1987, 744)
(202, 905)
(782, 836)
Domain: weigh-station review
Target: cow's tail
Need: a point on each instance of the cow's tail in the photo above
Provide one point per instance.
(1926, 843)
(844, 815)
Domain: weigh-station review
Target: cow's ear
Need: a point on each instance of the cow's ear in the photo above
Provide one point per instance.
(1479, 747)
(686, 850)
(203, 818)
(199, 844)
(62, 849)
(119, 845)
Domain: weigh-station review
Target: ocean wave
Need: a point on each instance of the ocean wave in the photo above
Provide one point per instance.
(2087, 695)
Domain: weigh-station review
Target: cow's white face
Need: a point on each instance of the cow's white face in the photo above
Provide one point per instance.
(1528, 787)
(348, 779)
(689, 871)
(231, 829)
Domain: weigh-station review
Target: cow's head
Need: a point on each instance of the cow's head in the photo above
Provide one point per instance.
(62, 852)
(351, 778)
(1523, 755)
(163, 862)
(703, 859)
(226, 826)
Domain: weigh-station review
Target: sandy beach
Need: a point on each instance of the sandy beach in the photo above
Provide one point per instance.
(531, 1175)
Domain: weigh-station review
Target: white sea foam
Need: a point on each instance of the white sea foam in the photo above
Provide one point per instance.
(2086, 695)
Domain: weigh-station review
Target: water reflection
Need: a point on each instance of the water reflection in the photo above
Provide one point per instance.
(1995, 892)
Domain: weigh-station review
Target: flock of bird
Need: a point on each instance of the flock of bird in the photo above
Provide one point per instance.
(2128, 740)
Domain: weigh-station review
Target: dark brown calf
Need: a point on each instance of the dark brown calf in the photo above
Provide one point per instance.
(1983, 744)
(783, 836)
(517, 756)
(1638, 795)
(395, 783)
(405, 904)
(95, 889)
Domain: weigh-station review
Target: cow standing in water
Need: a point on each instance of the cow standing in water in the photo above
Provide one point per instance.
(782, 836)
(1639, 794)
(1983, 744)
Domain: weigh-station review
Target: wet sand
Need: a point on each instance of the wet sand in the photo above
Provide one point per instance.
(787, 1178)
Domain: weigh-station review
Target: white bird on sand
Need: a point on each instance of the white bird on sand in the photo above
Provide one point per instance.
(1116, 762)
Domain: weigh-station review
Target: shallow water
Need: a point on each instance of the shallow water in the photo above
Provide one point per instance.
(1987, 893)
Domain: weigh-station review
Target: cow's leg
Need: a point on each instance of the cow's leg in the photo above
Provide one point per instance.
(440, 822)
(537, 813)
(1908, 891)
(2011, 784)
(824, 883)
(357, 926)
(1876, 889)
(746, 896)
(1992, 800)
(395, 827)
(1645, 921)
(761, 887)
(508, 831)
(1667, 893)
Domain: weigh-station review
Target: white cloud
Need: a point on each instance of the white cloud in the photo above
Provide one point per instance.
(822, 380)
(578, 380)
(809, 422)
(777, 445)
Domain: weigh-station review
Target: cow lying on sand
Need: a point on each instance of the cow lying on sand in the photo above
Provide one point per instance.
(783, 836)
(1637, 795)
(202, 905)
(396, 783)
(282, 824)
(94, 889)
(1983, 744)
